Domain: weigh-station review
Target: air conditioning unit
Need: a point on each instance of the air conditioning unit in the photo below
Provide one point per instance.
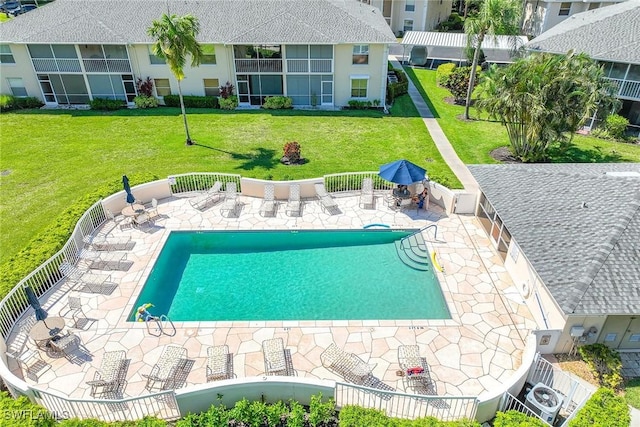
(544, 401)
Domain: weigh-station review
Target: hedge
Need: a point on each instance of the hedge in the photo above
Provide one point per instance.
(191, 101)
(50, 241)
(399, 88)
(517, 419)
(443, 72)
(10, 102)
(356, 416)
(107, 104)
(603, 409)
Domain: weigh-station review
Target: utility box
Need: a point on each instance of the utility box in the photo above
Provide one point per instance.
(577, 331)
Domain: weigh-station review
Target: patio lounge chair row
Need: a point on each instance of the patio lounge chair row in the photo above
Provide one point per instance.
(87, 281)
(209, 197)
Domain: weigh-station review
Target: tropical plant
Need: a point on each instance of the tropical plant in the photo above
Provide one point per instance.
(145, 87)
(292, 151)
(226, 90)
(605, 363)
(443, 71)
(604, 408)
(496, 17)
(615, 125)
(457, 83)
(175, 39)
(544, 98)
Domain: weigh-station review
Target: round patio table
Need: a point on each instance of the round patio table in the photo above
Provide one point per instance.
(45, 330)
(134, 210)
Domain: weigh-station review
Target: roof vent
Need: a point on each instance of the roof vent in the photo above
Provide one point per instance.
(584, 205)
(624, 174)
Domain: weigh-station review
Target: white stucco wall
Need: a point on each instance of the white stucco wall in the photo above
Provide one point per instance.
(21, 69)
(345, 69)
(426, 16)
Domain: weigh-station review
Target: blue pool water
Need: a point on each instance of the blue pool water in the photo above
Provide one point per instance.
(289, 275)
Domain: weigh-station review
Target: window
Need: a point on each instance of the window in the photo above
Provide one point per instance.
(17, 87)
(153, 59)
(565, 8)
(208, 54)
(211, 87)
(359, 87)
(361, 54)
(408, 25)
(410, 6)
(163, 87)
(5, 55)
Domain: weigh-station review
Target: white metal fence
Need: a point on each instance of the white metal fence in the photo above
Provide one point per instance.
(162, 405)
(201, 181)
(408, 406)
(511, 403)
(352, 181)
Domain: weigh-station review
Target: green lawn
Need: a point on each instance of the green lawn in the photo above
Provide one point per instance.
(632, 393)
(474, 140)
(51, 157)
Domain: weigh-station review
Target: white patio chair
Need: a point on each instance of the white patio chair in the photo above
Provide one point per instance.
(211, 196)
(164, 372)
(109, 378)
(230, 199)
(143, 220)
(73, 308)
(118, 220)
(348, 365)
(153, 210)
(268, 206)
(366, 194)
(293, 204)
(218, 363)
(416, 370)
(31, 363)
(104, 243)
(327, 203)
(275, 362)
(65, 344)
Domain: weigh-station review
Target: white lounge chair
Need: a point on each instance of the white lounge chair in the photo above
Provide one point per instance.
(104, 243)
(111, 377)
(164, 373)
(294, 204)
(366, 194)
(275, 362)
(415, 369)
(85, 281)
(211, 196)
(104, 260)
(230, 199)
(326, 201)
(348, 365)
(268, 206)
(218, 363)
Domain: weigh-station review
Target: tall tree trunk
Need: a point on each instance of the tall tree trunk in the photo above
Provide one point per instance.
(472, 75)
(466, 8)
(184, 115)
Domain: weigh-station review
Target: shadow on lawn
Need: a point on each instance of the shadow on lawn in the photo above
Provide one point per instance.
(261, 157)
(575, 154)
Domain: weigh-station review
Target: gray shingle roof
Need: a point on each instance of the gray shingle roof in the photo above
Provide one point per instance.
(611, 33)
(588, 257)
(221, 21)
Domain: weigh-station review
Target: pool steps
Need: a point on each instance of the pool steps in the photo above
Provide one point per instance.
(413, 252)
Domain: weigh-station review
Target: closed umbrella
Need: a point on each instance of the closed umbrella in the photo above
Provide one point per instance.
(127, 188)
(402, 172)
(33, 301)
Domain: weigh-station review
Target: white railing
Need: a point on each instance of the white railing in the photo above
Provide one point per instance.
(574, 394)
(407, 406)
(309, 65)
(511, 403)
(14, 304)
(107, 65)
(258, 65)
(48, 65)
(201, 181)
(352, 181)
(162, 405)
(321, 65)
(627, 88)
(297, 65)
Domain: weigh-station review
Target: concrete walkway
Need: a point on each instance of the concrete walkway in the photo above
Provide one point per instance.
(439, 138)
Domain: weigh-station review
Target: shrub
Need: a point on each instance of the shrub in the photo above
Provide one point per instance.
(453, 23)
(292, 151)
(321, 413)
(399, 88)
(191, 101)
(143, 101)
(443, 71)
(21, 412)
(55, 235)
(359, 105)
(10, 102)
(277, 103)
(458, 83)
(229, 103)
(145, 87)
(603, 409)
(104, 104)
(604, 362)
(226, 90)
(615, 125)
(516, 419)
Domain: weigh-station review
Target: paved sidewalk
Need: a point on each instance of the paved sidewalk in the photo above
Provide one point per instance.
(439, 138)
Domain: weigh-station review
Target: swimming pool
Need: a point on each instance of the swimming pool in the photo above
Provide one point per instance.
(289, 275)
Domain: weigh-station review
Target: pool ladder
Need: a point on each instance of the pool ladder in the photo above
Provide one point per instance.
(161, 326)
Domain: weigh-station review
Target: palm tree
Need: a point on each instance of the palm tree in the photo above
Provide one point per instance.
(175, 39)
(496, 17)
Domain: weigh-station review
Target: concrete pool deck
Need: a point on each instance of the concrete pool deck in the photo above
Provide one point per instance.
(479, 348)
